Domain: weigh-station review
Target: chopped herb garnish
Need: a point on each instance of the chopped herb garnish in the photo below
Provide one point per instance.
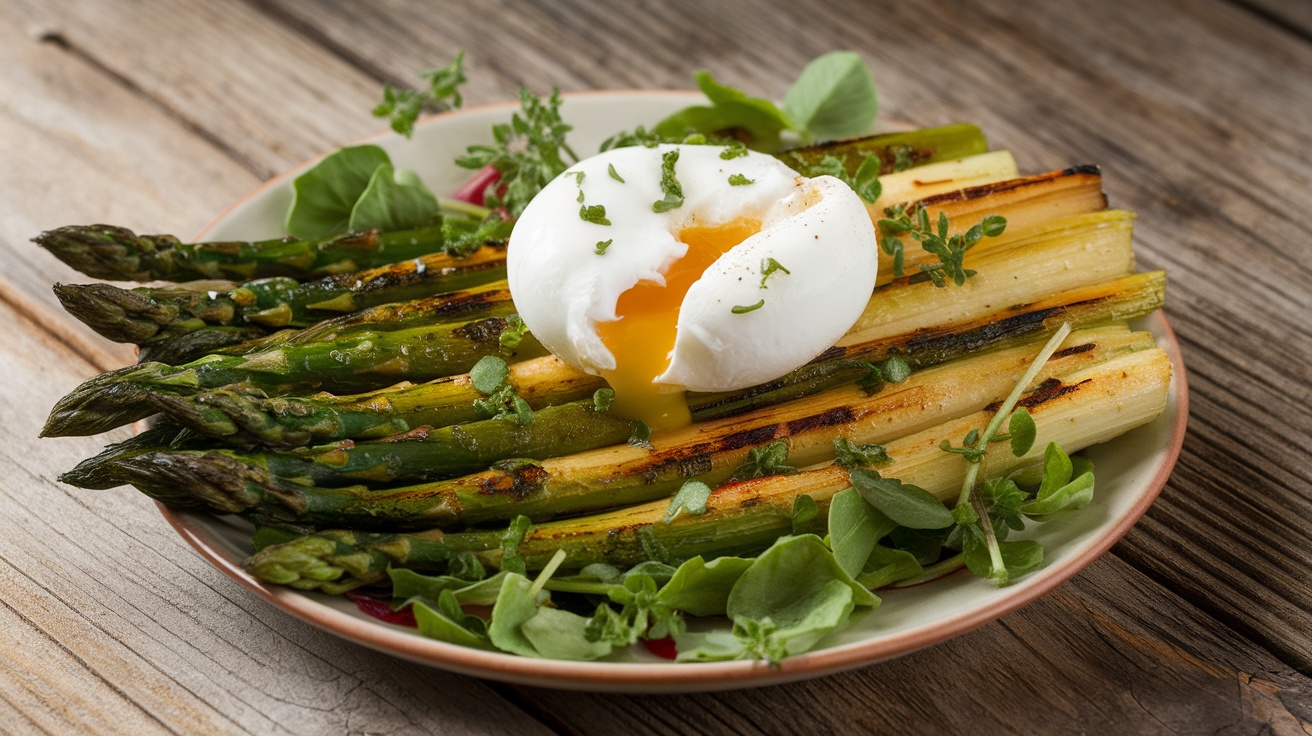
(748, 308)
(865, 182)
(769, 267)
(771, 459)
(490, 376)
(740, 180)
(615, 174)
(602, 245)
(849, 455)
(593, 213)
(513, 334)
(669, 184)
(733, 150)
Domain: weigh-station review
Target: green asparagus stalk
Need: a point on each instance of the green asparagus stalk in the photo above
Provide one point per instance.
(151, 315)
(610, 476)
(357, 360)
(421, 454)
(743, 517)
(118, 254)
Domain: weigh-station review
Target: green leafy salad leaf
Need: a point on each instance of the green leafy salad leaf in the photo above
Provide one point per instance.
(324, 196)
(833, 98)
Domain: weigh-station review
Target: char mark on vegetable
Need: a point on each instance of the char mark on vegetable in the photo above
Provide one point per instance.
(483, 331)
(519, 482)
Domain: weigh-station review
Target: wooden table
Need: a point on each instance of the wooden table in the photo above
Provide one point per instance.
(156, 114)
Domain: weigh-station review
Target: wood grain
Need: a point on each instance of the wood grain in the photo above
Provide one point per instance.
(155, 116)
(118, 624)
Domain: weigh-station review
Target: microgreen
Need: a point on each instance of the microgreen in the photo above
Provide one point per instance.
(769, 267)
(602, 245)
(593, 213)
(669, 184)
(935, 239)
(739, 180)
(610, 168)
(403, 106)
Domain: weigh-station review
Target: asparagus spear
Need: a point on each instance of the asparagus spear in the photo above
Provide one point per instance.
(743, 517)
(421, 454)
(355, 360)
(118, 254)
(150, 315)
(605, 477)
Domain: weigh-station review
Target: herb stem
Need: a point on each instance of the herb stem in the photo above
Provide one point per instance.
(546, 573)
(972, 473)
(933, 572)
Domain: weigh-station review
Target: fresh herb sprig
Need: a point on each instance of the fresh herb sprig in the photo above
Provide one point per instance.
(403, 106)
(950, 249)
(529, 152)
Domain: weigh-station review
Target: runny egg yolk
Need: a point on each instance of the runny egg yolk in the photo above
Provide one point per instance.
(643, 337)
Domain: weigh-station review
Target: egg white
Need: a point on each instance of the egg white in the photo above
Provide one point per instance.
(816, 228)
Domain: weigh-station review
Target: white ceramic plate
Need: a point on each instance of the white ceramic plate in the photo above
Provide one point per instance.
(1131, 472)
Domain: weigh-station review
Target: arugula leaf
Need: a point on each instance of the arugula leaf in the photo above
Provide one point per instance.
(520, 625)
(905, 504)
(403, 106)
(886, 566)
(448, 622)
(394, 200)
(805, 509)
(702, 588)
(1062, 489)
(834, 97)
(323, 197)
(784, 603)
(855, 528)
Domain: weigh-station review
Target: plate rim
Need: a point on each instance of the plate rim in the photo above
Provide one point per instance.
(657, 677)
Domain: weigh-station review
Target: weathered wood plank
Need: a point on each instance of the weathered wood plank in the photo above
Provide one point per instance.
(117, 624)
(266, 95)
(79, 147)
(1083, 659)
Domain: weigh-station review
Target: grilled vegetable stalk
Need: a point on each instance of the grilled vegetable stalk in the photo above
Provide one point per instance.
(611, 476)
(1026, 202)
(743, 517)
(360, 360)
(149, 315)
(421, 454)
(895, 151)
(118, 254)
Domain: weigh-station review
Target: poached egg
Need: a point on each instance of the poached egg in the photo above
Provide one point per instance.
(689, 268)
